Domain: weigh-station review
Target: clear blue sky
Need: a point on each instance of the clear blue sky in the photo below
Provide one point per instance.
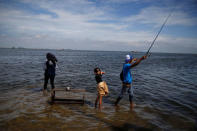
(116, 25)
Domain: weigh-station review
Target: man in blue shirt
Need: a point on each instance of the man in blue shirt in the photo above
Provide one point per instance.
(127, 78)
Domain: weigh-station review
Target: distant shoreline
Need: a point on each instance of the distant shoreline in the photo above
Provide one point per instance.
(132, 52)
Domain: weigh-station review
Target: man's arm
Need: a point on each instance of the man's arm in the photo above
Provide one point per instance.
(138, 61)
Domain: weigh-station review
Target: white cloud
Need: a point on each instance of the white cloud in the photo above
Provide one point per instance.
(157, 15)
(75, 29)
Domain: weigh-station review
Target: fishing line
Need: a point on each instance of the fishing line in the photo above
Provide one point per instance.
(159, 31)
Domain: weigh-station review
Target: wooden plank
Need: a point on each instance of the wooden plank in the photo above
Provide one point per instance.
(71, 90)
(68, 101)
(65, 100)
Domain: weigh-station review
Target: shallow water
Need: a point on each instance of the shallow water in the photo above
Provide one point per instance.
(165, 91)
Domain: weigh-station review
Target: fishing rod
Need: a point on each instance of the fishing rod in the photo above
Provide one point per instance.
(159, 32)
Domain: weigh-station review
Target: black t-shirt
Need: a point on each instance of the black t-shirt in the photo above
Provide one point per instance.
(98, 78)
(50, 68)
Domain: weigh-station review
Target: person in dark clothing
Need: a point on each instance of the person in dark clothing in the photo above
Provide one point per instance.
(49, 67)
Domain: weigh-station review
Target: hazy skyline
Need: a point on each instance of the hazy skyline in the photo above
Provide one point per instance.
(114, 25)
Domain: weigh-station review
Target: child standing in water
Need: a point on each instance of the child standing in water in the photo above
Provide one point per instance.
(49, 67)
(102, 88)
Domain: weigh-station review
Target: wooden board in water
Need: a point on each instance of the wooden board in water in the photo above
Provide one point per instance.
(68, 101)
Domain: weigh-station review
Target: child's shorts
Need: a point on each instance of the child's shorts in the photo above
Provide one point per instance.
(102, 88)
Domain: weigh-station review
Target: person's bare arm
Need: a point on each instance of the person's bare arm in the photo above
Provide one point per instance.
(138, 61)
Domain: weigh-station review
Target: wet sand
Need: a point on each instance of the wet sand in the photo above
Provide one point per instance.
(26, 109)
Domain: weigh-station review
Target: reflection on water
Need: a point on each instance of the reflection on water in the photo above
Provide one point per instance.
(165, 94)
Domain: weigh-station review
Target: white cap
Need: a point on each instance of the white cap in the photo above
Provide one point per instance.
(128, 57)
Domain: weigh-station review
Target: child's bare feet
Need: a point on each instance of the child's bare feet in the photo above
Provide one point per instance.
(52, 93)
(132, 105)
(44, 92)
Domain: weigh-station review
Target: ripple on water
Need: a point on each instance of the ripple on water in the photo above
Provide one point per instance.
(165, 92)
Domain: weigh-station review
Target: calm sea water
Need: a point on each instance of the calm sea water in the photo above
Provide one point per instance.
(165, 91)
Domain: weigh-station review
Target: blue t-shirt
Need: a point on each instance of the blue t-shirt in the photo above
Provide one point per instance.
(127, 73)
